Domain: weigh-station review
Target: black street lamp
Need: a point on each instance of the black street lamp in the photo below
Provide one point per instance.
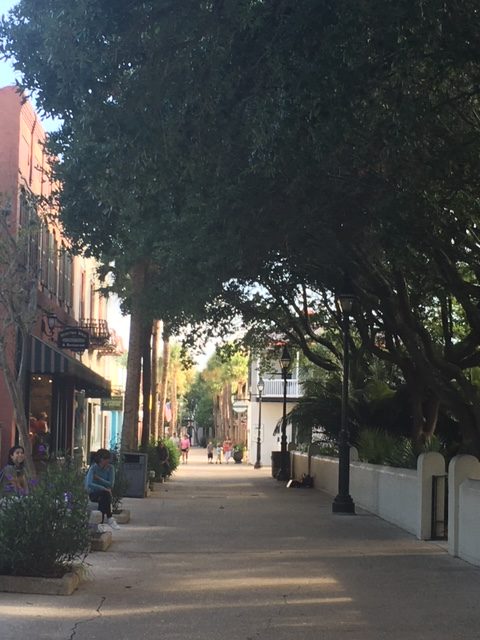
(260, 388)
(343, 502)
(284, 472)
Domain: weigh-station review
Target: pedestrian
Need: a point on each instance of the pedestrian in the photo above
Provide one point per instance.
(39, 436)
(227, 450)
(42, 424)
(175, 439)
(99, 483)
(218, 451)
(210, 452)
(13, 477)
(163, 459)
(184, 447)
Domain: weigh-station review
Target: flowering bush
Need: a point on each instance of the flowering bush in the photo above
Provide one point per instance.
(45, 532)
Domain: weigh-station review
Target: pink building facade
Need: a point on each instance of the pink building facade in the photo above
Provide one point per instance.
(62, 382)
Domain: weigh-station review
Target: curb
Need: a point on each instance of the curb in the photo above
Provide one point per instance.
(64, 586)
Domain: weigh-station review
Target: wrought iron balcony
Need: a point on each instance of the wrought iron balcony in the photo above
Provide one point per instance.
(98, 330)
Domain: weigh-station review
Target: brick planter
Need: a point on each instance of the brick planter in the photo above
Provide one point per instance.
(101, 541)
(64, 586)
(123, 516)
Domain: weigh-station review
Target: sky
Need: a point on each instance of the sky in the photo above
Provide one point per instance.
(7, 74)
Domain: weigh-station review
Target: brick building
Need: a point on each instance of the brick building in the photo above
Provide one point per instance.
(65, 383)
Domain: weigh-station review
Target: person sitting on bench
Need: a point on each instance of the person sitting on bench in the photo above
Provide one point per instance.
(99, 483)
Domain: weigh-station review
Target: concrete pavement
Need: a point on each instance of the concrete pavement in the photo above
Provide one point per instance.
(226, 552)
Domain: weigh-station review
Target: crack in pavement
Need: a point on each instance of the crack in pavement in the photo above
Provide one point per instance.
(77, 624)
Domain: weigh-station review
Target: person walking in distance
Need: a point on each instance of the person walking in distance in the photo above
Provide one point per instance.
(227, 450)
(218, 452)
(210, 452)
(184, 447)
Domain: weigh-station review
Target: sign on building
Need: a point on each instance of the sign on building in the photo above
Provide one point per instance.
(74, 339)
(115, 403)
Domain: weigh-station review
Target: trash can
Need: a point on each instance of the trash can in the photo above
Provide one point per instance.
(276, 462)
(135, 471)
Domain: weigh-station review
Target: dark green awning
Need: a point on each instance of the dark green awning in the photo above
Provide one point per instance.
(47, 359)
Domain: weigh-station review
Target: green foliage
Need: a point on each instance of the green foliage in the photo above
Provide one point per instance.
(45, 532)
(119, 488)
(374, 446)
(173, 454)
(402, 454)
(377, 447)
(224, 367)
(321, 448)
(153, 462)
(361, 119)
(199, 399)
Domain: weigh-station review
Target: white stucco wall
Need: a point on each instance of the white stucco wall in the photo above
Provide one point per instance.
(271, 414)
(400, 496)
(469, 529)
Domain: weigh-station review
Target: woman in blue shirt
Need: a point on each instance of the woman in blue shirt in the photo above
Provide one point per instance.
(99, 483)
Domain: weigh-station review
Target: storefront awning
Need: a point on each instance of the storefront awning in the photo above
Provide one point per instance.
(47, 359)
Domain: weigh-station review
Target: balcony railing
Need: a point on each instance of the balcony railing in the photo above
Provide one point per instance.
(274, 388)
(98, 330)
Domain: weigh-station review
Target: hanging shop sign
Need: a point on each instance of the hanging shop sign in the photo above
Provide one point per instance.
(74, 339)
(240, 406)
(115, 403)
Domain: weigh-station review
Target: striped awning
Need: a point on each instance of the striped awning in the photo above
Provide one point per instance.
(47, 359)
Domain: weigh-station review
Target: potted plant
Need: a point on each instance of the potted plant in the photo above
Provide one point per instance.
(238, 451)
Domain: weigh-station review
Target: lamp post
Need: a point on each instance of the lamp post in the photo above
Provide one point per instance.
(284, 472)
(260, 388)
(343, 502)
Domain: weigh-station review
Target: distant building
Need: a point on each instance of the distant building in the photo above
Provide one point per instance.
(65, 383)
(272, 404)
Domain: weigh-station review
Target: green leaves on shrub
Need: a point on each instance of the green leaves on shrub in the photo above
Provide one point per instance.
(153, 463)
(377, 447)
(119, 488)
(45, 532)
(374, 446)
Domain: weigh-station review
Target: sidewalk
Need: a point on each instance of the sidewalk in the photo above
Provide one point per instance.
(225, 552)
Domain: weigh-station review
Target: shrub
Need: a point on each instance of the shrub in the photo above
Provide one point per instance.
(174, 454)
(377, 447)
(153, 462)
(119, 487)
(46, 532)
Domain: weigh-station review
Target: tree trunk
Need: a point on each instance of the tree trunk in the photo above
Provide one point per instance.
(16, 385)
(132, 386)
(162, 396)
(146, 384)
(173, 400)
(154, 391)
(432, 406)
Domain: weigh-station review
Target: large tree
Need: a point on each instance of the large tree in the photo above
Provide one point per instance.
(331, 138)
(115, 91)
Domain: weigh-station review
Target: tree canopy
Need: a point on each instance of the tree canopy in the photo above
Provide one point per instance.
(280, 146)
